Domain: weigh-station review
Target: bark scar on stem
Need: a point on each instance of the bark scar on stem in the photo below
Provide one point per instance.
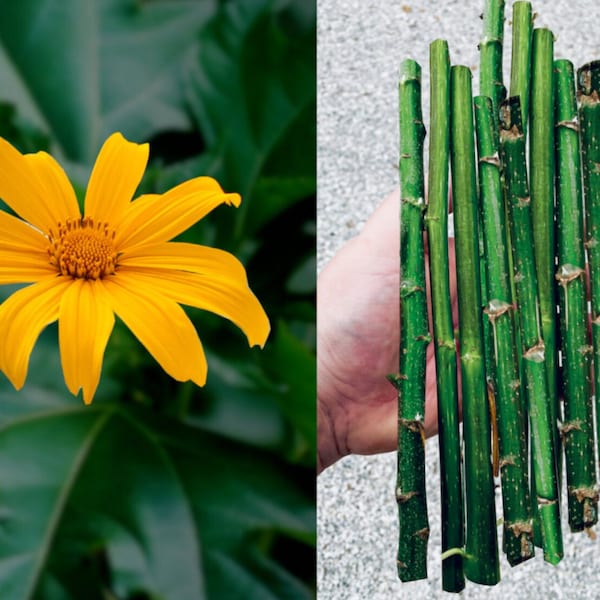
(507, 460)
(536, 353)
(524, 531)
(564, 276)
(416, 202)
(423, 338)
(396, 378)
(491, 160)
(567, 273)
(449, 344)
(526, 545)
(509, 130)
(515, 384)
(422, 534)
(402, 498)
(496, 308)
(512, 133)
(590, 513)
(414, 425)
(493, 310)
(408, 287)
(468, 357)
(520, 527)
(588, 496)
(572, 124)
(590, 99)
(584, 493)
(545, 502)
(569, 426)
(490, 39)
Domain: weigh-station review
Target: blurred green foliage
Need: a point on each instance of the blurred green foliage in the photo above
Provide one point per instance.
(162, 490)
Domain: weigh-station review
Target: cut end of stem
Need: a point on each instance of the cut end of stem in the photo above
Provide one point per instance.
(410, 70)
(588, 82)
(511, 121)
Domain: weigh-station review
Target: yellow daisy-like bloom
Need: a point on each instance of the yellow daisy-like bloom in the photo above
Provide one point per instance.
(115, 259)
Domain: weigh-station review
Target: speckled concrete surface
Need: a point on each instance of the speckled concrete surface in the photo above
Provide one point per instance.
(360, 46)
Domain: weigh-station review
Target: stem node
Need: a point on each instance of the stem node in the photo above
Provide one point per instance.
(570, 426)
(572, 124)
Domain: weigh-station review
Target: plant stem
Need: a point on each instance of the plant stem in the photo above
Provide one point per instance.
(518, 526)
(541, 146)
(481, 564)
(588, 83)
(520, 85)
(443, 332)
(490, 85)
(520, 80)
(414, 335)
(512, 146)
(490, 49)
(520, 64)
(578, 427)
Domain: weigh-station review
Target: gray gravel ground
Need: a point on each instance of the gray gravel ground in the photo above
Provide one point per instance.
(360, 46)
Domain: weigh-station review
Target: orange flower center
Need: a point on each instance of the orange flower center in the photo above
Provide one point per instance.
(83, 249)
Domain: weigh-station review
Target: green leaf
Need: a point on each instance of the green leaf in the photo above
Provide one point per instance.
(272, 195)
(18, 133)
(53, 83)
(243, 502)
(275, 583)
(106, 499)
(236, 404)
(61, 466)
(235, 490)
(254, 86)
(292, 367)
(146, 48)
(83, 69)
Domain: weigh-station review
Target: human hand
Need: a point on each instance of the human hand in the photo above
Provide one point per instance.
(358, 333)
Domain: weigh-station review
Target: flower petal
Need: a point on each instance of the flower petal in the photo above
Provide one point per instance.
(85, 322)
(115, 177)
(23, 252)
(16, 234)
(182, 256)
(55, 185)
(161, 325)
(22, 318)
(23, 266)
(22, 187)
(226, 296)
(160, 217)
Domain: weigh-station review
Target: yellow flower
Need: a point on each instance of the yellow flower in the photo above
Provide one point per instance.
(116, 258)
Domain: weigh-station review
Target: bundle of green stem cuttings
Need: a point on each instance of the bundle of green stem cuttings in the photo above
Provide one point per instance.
(527, 252)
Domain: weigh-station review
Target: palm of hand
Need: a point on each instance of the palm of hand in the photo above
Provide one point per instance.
(358, 348)
(358, 326)
(358, 332)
